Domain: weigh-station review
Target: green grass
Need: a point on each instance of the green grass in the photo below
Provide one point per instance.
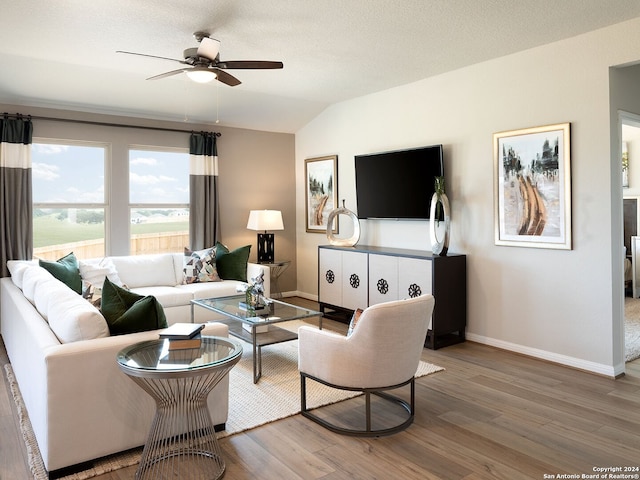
(142, 228)
(48, 230)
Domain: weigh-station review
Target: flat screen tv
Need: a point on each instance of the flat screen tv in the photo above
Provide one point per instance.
(399, 184)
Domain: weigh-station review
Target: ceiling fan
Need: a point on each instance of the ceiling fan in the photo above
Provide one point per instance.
(203, 64)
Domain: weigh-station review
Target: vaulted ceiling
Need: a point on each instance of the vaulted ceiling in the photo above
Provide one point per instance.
(62, 54)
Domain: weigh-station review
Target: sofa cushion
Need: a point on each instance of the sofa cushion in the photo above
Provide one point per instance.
(211, 289)
(44, 291)
(33, 277)
(128, 312)
(17, 269)
(200, 266)
(146, 270)
(232, 265)
(72, 318)
(95, 272)
(65, 269)
(167, 296)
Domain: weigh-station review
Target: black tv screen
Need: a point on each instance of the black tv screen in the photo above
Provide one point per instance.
(398, 184)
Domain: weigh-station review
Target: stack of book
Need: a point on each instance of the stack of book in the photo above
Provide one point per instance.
(183, 335)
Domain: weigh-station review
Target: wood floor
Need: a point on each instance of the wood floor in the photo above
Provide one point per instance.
(491, 414)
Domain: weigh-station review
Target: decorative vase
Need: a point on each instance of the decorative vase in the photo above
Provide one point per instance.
(343, 242)
(439, 245)
(252, 298)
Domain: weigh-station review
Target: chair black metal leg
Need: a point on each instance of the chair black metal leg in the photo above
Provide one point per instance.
(368, 431)
(303, 393)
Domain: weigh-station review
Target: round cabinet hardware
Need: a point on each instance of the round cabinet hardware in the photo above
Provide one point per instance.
(383, 286)
(414, 290)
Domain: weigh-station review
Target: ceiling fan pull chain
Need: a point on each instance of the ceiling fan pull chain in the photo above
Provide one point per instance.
(217, 102)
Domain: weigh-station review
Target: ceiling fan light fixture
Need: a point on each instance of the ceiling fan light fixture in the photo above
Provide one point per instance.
(201, 75)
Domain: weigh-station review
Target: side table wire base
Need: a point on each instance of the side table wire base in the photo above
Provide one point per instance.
(182, 441)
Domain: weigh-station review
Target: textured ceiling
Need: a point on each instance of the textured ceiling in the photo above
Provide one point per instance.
(62, 54)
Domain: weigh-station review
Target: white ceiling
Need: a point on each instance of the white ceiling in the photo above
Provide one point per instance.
(62, 53)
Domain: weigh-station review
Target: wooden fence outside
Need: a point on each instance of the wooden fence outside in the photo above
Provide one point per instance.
(170, 242)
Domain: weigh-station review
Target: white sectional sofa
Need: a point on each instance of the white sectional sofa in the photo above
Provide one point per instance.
(80, 404)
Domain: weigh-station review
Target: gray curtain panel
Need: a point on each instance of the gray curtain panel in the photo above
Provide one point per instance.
(16, 214)
(204, 216)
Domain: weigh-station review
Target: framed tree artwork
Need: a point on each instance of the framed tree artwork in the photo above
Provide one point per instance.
(533, 187)
(321, 192)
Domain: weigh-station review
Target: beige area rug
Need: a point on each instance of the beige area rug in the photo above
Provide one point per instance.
(631, 328)
(275, 396)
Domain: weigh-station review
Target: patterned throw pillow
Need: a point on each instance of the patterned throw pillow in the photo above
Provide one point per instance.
(200, 266)
(354, 321)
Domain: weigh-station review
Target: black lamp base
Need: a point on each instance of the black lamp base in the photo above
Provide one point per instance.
(265, 248)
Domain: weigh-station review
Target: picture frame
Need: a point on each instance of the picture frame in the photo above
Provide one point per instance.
(532, 187)
(321, 192)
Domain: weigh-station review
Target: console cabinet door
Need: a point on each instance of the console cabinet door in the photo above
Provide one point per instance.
(383, 279)
(415, 277)
(330, 277)
(354, 280)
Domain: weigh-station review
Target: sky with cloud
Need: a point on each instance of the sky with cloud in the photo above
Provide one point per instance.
(75, 173)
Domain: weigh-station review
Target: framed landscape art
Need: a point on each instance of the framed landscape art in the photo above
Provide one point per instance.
(533, 187)
(321, 192)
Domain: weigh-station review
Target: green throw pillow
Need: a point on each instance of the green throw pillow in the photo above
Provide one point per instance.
(232, 265)
(65, 269)
(128, 312)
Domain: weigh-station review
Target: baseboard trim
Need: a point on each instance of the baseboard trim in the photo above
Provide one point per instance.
(300, 294)
(578, 363)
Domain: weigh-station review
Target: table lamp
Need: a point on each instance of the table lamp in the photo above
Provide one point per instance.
(263, 220)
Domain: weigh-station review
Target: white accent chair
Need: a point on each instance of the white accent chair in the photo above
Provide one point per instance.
(381, 354)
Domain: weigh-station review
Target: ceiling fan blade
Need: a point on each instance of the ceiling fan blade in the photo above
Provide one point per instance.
(151, 56)
(227, 78)
(209, 48)
(249, 64)
(168, 74)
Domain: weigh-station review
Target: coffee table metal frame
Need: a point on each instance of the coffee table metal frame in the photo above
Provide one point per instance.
(235, 317)
(182, 439)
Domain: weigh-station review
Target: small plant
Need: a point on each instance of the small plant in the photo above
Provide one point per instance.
(439, 191)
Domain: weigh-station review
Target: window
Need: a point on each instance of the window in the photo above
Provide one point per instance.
(68, 199)
(159, 200)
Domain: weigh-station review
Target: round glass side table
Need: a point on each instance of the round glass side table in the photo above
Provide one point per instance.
(182, 441)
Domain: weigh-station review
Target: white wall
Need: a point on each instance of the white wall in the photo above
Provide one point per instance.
(553, 304)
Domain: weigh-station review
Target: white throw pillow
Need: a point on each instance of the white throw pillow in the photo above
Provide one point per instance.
(95, 273)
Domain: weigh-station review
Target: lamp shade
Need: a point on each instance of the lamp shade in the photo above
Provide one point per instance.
(265, 220)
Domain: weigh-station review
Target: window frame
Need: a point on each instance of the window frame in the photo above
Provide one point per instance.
(107, 149)
(153, 206)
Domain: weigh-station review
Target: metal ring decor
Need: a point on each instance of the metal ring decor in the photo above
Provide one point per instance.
(343, 242)
(439, 246)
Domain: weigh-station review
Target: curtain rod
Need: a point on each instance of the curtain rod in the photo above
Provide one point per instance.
(102, 124)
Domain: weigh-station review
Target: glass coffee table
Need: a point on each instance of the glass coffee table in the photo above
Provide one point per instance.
(258, 329)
